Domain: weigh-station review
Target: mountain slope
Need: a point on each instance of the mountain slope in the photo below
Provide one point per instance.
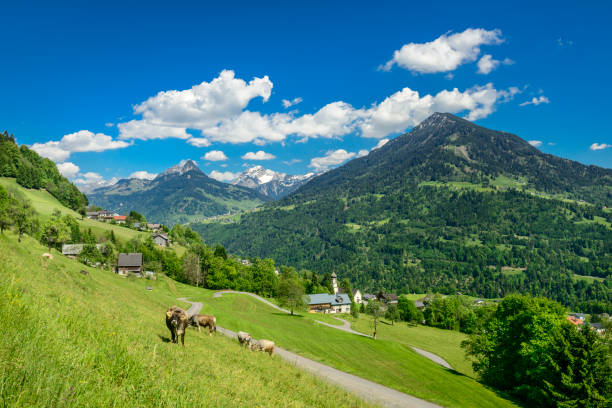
(271, 183)
(448, 207)
(181, 194)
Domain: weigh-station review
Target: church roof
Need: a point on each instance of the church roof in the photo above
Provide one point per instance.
(334, 300)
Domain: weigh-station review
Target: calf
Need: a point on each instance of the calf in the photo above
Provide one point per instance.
(267, 346)
(177, 321)
(243, 338)
(201, 320)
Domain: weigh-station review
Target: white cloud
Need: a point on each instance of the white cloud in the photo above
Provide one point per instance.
(289, 103)
(536, 101)
(445, 53)
(600, 146)
(199, 142)
(487, 64)
(90, 181)
(535, 143)
(109, 124)
(363, 152)
(380, 143)
(143, 175)
(201, 107)
(223, 176)
(215, 155)
(68, 169)
(81, 141)
(250, 127)
(260, 155)
(292, 161)
(406, 108)
(331, 158)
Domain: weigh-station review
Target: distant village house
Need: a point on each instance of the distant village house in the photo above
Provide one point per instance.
(74, 250)
(130, 263)
(326, 303)
(161, 240)
(357, 296)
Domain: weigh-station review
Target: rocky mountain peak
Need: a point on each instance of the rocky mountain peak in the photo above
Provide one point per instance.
(181, 168)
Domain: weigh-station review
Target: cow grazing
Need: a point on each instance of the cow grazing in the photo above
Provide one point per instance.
(177, 321)
(243, 338)
(266, 346)
(201, 320)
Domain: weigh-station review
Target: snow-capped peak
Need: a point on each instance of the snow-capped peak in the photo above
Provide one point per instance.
(259, 175)
(181, 168)
(269, 182)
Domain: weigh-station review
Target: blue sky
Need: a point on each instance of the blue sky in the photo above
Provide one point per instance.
(112, 90)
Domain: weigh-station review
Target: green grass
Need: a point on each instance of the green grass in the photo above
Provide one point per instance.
(445, 343)
(596, 220)
(98, 340)
(588, 279)
(44, 203)
(386, 360)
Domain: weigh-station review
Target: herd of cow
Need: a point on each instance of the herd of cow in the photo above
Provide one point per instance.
(177, 321)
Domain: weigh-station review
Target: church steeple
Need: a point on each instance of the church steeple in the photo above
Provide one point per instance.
(335, 282)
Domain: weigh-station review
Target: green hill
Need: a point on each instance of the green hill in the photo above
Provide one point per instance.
(448, 207)
(100, 340)
(181, 194)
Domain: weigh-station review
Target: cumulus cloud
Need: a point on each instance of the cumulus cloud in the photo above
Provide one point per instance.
(143, 175)
(445, 53)
(331, 158)
(223, 176)
(68, 169)
(535, 143)
(536, 101)
(260, 155)
(215, 155)
(81, 141)
(289, 103)
(380, 143)
(201, 107)
(199, 142)
(90, 181)
(363, 152)
(487, 64)
(599, 146)
(292, 161)
(109, 124)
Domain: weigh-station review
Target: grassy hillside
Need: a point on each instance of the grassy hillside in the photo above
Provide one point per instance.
(386, 361)
(100, 340)
(44, 203)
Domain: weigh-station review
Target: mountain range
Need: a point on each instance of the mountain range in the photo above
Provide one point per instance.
(271, 183)
(450, 206)
(182, 193)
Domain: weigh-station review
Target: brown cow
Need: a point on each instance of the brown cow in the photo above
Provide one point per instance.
(266, 346)
(201, 320)
(177, 321)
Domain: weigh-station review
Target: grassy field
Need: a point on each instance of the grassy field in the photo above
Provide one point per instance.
(445, 343)
(386, 360)
(44, 203)
(99, 340)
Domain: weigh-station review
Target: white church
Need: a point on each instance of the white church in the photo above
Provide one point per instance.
(326, 303)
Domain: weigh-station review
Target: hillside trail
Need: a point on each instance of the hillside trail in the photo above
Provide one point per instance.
(368, 390)
(346, 327)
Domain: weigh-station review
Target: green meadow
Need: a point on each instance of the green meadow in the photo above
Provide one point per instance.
(99, 340)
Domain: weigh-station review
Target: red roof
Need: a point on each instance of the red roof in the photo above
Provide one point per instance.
(120, 217)
(574, 320)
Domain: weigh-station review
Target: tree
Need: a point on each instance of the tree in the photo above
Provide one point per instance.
(408, 310)
(375, 309)
(345, 286)
(527, 349)
(24, 217)
(290, 290)
(55, 232)
(191, 268)
(392, 313)
(5, 209)
(220, 252)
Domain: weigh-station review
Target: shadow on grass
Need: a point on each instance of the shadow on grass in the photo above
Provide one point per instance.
(164, 338)
(287, 314)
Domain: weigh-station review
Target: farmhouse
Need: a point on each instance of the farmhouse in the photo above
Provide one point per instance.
(388, 298)
(120, 219)
(326, 303)
(129, 263)
(357, 296)
(154, 227)
(161, 239)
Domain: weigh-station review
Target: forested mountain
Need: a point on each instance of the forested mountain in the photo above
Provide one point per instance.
(271, 183)
(33, 171)
(450, 206)
(182, 193)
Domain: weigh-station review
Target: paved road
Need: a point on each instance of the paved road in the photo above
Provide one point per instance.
(365, 389)
(221, 292)
(345, 327)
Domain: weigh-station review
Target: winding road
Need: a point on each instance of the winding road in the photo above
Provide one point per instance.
(368, 390)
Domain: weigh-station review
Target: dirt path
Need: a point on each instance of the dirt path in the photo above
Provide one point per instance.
(346, 327)
(366, 389)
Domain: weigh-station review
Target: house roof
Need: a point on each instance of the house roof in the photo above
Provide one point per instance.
(574, 320)
(334, 300)
(355, 291)
(390, 297)
(333, 275)
(131, 259)
(164, 236)
(368, 296)
(120, 217)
